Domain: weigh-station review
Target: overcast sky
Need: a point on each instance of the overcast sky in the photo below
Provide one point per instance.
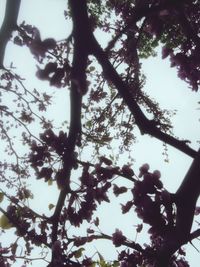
(162, 84)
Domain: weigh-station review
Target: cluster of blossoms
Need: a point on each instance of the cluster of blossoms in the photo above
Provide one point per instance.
(154, 205)
(187, 65)
(41, 154)
(56, 74)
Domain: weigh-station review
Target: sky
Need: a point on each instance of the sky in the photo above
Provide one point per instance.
(161, 83)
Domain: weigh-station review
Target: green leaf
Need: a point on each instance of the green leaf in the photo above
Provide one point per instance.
(92, 68)
(88, 124)
(100, 256)
(51, 206)
(78, 253)
(103, 263)
(27, 194)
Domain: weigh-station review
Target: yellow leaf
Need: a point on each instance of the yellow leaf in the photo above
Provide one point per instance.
(50, 182)
(4, 222)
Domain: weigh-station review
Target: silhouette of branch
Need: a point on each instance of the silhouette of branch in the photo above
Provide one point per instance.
(26, 234)
(145, 125)
(191, 184)
(78, 88)
(186, 198)
(9, 25)
(194, 235)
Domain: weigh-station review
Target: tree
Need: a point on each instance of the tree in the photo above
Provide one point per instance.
(106, 92)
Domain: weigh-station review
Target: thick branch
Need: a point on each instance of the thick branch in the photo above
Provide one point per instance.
(9, 24)
(74, 133)
(187, 196)
(145, 125)
(85, 43)
(78, 88)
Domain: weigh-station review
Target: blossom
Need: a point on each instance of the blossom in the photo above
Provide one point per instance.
(165, 52)
(143, 169)
(118, 238)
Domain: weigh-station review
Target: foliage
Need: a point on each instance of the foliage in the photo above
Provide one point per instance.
(107, 104)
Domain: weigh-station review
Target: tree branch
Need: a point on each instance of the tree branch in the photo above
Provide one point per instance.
(186, 198)
(26, 234)
(78, 88)
(145, 125)
(9, 24)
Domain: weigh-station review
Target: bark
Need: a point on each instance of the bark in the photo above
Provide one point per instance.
(8, 26)
(191, 185)
(78, 88)
(185, 199)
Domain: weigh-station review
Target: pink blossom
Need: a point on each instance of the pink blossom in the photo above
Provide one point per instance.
(165, 52)
(156, 174)
(143, 169)
(118, 238)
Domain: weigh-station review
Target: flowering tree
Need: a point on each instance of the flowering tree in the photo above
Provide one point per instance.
(107, 102)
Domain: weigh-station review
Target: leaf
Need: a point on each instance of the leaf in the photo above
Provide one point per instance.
(1, 197)
(88, 124)
(4, 222)
(27, 194)
(96, 221)
(92, 68)
(14, 248)
(115, 264)
(139, 228)
(103, 263)
(100, 256)
(78, 253)
(51, 206)
(50, 182)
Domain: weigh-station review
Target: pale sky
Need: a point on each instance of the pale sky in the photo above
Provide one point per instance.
(162, 84)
